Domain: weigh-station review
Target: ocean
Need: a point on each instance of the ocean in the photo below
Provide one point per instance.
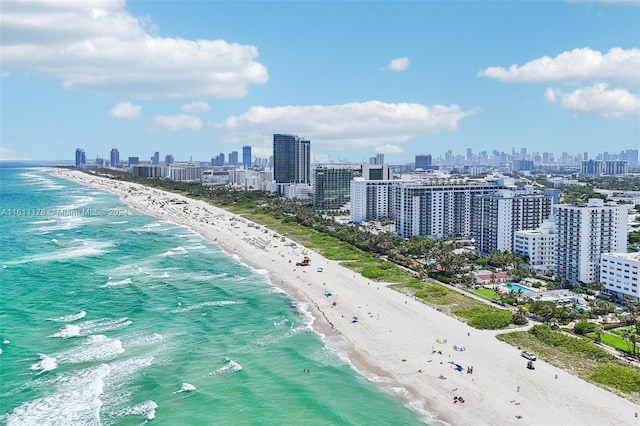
(112, 317)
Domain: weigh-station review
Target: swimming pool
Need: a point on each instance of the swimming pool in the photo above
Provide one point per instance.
(517, 287)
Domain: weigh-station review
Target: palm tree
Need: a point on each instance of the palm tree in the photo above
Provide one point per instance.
(631, 337)
(598, 331)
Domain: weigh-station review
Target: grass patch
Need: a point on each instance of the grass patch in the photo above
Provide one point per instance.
(623, 379)
(485, 317)
(378, 269)
(614, 341)
(485, 292)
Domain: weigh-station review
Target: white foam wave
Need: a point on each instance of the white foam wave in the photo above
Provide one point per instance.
(280, 323)
(186, 387)
(72, 399)
(68, 331)
(116, 283)
(174, 251)
(165, 275)
(205, 304)
(0, 351)
(45, 364)
(69, 318)
(76, 249)
(104, 324)
(43, 222)
(305, 313)
(197, 247)
(94, 348)
(152, 339)
(6, 342)
(230, 367)
(261, 271)
(92, 327)
(119, 222)
(272, 290)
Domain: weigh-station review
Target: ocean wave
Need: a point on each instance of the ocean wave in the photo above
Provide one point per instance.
(68, 331)
(174, 251)
(75, 249)
(69, 318)
(95, 348)
(116, 283)
(72, 398)
(230, 367)
(45, 364)
(212, 303)
(186, 387)
(92, 327)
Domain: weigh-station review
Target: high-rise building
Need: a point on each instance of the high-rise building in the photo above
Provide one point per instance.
(620, 275)
(539, 246)
(370, 199)
(584, 232)
(233, 158)
(218, 160)
(168, 159)
(80, 157)
(630, 156)
(291, 159)
(423, 161)
(332, 185)
(134, 161)
(246, 156)
(435, 208)
(377, 160)
(496, 216)
(155, 158)
(115, 157)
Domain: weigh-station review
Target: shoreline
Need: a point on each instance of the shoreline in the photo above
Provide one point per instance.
(393, 342)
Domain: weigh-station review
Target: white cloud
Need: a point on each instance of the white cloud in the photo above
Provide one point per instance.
(177, 122)
(7, 154)
(365, 124)
(126, 110)
(398, 64)
(97, 46)
(574, 66)
(388, 149)
(598, 99)
(195, 106)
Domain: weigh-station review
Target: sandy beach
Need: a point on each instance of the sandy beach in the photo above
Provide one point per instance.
(400, 343)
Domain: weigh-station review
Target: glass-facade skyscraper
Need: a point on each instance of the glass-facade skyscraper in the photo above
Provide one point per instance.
(291, 159)
(80, 157)
(246, 156)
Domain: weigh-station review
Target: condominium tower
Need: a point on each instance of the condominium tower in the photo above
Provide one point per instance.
(291, 159)
(495, 217)
(584, 232)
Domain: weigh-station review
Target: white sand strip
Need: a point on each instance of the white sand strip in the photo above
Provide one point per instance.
(395, 335)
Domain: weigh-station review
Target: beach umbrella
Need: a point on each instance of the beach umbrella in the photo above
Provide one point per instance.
(355, 318)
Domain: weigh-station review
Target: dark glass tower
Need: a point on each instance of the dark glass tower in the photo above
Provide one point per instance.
(246, 156)
(291, 159)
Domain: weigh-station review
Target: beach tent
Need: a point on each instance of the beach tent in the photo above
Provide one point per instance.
(458, 367)
(355, 319)
(320, 269)
(328, 293)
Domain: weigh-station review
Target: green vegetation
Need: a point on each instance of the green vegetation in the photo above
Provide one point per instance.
(485, 292)
(623, 379)
(485, 317)
(579, 355)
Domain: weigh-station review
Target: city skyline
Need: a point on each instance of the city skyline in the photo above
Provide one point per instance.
(412, 78)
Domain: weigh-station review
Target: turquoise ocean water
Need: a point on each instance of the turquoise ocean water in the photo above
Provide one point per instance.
(111, 317)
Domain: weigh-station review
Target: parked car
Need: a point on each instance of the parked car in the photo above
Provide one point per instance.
(529, 355)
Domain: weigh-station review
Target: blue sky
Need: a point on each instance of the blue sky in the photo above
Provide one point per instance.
(196, 78)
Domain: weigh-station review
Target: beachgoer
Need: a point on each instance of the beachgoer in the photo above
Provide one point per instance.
(518, 388)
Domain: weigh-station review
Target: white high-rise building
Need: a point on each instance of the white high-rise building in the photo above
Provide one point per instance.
(437, 208)
(496, 216)
(620, 275)
(369, 199)
(539, 245)
(584, 232)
